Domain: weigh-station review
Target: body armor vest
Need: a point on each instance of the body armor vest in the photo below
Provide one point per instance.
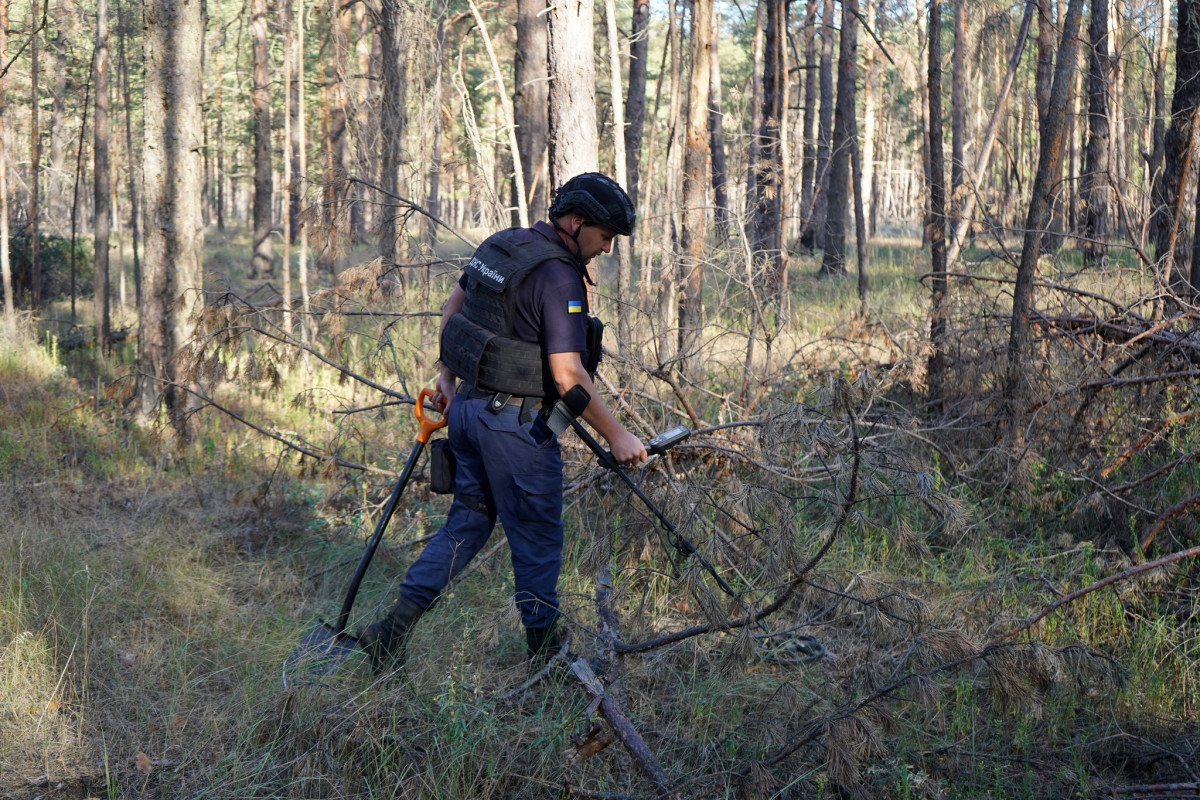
(478, 344)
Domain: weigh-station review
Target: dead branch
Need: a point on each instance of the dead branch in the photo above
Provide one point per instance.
(642, 755)
(1100, 584)
(1165, 517)
(1145, 440)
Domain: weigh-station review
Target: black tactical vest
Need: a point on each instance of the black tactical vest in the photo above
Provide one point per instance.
(477, 342)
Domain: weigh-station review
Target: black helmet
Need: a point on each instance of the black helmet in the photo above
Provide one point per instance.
(600, 200)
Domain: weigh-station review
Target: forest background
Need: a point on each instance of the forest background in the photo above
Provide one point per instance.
(921, 279)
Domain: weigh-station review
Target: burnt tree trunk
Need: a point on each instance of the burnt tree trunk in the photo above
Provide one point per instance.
(6, 277)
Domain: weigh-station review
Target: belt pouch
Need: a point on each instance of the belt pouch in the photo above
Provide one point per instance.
(441, 467)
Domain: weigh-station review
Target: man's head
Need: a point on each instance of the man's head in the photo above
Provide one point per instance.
(592, 209)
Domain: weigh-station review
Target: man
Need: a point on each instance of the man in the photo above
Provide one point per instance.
(515, 337)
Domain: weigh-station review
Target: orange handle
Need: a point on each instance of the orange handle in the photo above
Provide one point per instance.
(428, 426)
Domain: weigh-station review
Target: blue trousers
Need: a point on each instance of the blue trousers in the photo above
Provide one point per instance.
(501, 472)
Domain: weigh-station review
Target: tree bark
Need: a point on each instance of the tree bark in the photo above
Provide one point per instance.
(770, 183)
(716, 125)
(824, 123)
(935, 225)
(393, 120)
(1040, 206)
(1095, 178)
(102, 178)
(1177, 143)
(870, 130)
(635, 102)
(808, 170)
(620, 168)
(174, 34)
(262, 260)
(123, 23)
(958, 111)
(35, 158)
(574, 139)
(6, 277)
(696, 158)
(834, 260)
(531, 76)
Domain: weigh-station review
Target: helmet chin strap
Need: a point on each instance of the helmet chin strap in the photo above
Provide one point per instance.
(580, 264)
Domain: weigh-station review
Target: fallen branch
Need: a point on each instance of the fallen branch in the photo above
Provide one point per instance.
(642, 755)
(1111, 579)
(1145, 440)
(1165, 517)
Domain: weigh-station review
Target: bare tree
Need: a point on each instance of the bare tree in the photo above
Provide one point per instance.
(958, 107)
(808, 170)
(262, 260)
(102, 177)
(123, 24)
(173, 170)
(1094, 180)
(844, 129)
(1040, 206)
(574, 139)
(935, 225)
(824, 121)
(696, 158)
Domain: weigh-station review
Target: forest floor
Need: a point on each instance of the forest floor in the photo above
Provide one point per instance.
(150, 590)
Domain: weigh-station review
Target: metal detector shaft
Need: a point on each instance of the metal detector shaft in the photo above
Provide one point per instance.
(427, 428)
(681, 542)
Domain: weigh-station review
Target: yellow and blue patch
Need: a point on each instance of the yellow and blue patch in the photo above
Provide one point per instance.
(574, 306)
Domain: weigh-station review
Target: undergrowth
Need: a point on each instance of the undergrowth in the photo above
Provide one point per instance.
(152, 588)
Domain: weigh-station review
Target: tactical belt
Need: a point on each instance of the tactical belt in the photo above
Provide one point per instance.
(499, 400)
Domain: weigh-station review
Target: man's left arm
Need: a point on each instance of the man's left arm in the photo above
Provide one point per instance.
(568, 372)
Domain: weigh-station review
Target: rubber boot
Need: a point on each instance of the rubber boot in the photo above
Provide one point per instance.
(384, 641)
(541, 644)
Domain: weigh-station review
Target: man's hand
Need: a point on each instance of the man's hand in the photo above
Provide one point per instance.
(627, 449)
(446, 386)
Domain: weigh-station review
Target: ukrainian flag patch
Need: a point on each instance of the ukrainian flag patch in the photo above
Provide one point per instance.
(574, 306)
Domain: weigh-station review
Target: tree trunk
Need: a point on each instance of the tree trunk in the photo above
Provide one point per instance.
(35, 159)
(262, 261)
(958, 112)
(754, 151)
(174, 35)
(123, 23)
(530, 70)
(1177, 143)
(1095, 178)
(574, 139)
(716, 125)
(1040, 206)
(6, 278)
(58, 186)
(870, 131)
(936, 223)
(809, 169)
(393, 120)
(1159, 103)
(337, 146)
(102, 178)
(620, 168)
(834, 260)
(824, 123)
(635, 102)
(769, 183)
(294, 87)
(696, 158)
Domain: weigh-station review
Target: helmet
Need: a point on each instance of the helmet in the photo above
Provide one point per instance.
(599, 199)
